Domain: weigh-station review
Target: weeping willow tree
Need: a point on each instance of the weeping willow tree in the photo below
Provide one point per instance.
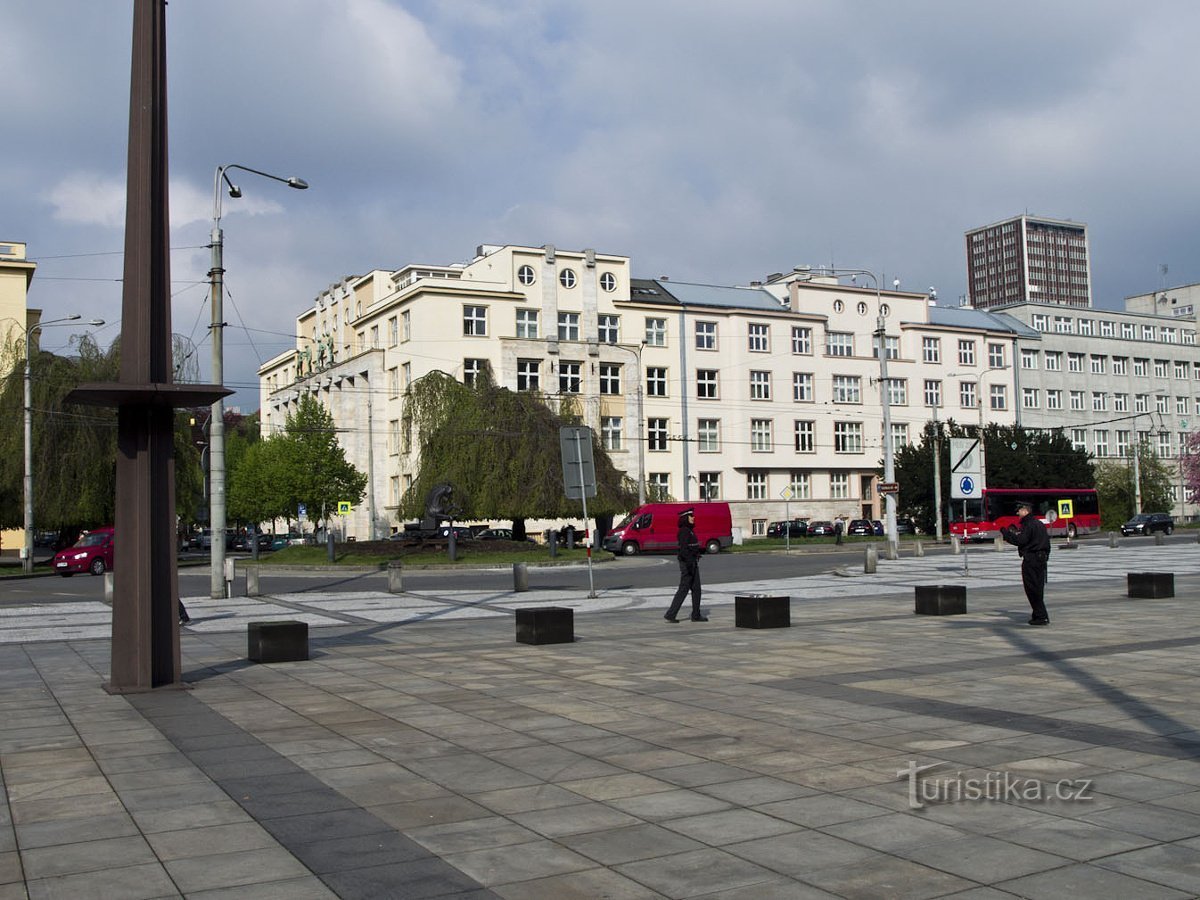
(499, 450)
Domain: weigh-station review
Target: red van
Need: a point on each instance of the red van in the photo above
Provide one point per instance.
(654, 527)
(93, 552)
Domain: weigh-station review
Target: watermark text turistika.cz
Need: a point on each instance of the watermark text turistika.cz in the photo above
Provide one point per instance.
(1002, 786)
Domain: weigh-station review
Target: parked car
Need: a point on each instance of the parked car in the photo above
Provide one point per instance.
(905, 526)
(860, 527)
(1148, 523)
(820, 527)
(93, 552)
(878, 526)
(788, 528)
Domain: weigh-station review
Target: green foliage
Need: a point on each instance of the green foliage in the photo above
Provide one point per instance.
(1014, 457)
(303, 465)
(1114, 483)
(500, 451)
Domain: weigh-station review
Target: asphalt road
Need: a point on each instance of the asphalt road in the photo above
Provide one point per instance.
(607, 572)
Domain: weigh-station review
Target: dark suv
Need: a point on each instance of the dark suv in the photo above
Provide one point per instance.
(1147, 523)
(860, 526)
(788, 528)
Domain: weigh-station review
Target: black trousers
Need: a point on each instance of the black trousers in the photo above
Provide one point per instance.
(689, 580)
(1033, 577)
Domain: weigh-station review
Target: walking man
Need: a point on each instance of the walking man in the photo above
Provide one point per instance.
(1033, 544)
(689, 568)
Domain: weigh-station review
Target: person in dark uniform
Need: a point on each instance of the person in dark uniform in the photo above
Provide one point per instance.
(689, 568)
(1033, 544)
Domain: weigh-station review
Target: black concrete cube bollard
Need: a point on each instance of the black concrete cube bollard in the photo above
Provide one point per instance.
(762, 611)
(270, 642)
(941, 599)
(1150, 585)
(546, 625)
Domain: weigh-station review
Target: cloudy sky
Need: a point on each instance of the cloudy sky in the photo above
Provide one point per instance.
(711, 142)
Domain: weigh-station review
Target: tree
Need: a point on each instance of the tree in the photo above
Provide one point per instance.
(499, 449)
(305, 465)
(1014, 457)
(1114, 484)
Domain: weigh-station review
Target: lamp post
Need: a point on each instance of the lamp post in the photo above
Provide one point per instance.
(641, 436)
(216, 436)
(27, 561)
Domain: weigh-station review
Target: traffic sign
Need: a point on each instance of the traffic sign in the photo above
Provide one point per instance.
(343, 507)
(888, 487)
(1066, 509)
(965, 487)
(579, 466)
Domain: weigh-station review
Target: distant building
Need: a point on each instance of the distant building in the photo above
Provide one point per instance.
(1029, 260)
(1177, 302)
(16, 272)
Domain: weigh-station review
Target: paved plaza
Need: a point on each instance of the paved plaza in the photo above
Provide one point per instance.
(421, 752)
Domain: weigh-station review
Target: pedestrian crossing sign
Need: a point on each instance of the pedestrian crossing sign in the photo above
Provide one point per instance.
(343, 507)
(1066, 509)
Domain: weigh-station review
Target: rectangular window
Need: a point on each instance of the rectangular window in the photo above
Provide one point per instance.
(802, 340)
(706, 335)
(569, 378)
(1079, 439)
(899, 435)
(659, 485)
(839, 485)
(1100, 442)
(472, 369)
(1106, 328)
(529, 375)
(1164, 444)
(656, 332)
(847, 389)
(966, 353)
(1074, 362)
(1063, 325)
(527, 323)
(710, 485)
(1077, 400)
(931, 349)
(610, 378)
(758, 337)
(756, 487)
(393, 328)
(1085, 327)
(762, 438)
(839, 343)
(406, 436)
(656, 434)
(568, 326)
(1029, 398)
(1147, 332)
(1120, 365)
(1122, 447)
(393, 382)
(1029, 359)
(611, 432)
(706, 384)
(999, 396)
(847, 437)
(475, 321)
(406, 325)
(374, 337)
(760, 385)
(805, 435)
(802, 387)
(656, 381)
(897, 392)
(608, 329)
(1099, 401)
(1053, 361)
(394, 436)
(1181, 406)
(968, 397)
(1120, 403)
(892, 344)
(1040, 322)
(1160, 404)
(708, 435)
(1160, 368)
(933, 392)
(1141, 403)
(1140, 367)
(1181, 370)
(1053, 398)
(406, 375)
(1127, 331)
(1098, 364)
(801, 485)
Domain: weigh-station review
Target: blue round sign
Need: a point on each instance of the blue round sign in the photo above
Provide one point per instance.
(967, 484)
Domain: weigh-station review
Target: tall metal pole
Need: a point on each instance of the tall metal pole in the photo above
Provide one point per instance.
(27, 561)
(370, 469)
(937, 475)
(216, 428)
(889, 459)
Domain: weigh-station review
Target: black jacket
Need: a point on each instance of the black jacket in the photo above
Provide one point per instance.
(689, 544)
(1030, 536)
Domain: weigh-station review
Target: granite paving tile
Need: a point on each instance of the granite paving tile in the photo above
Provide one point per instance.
(887, 878)
(700, 872)
(588, 885)
(1175, 865)
(518, 862)
(86, 856)
(210, 840)
(620, 845)
(982, 858)
(306, 888)
(145, 882)
(581, 817)
(801, 851)
(472, 834)
(1086, 880)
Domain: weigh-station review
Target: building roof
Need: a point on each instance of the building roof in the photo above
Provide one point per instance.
(968, 317)
(716, 296)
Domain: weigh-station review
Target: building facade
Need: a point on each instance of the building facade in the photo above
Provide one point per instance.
(1028, 259)
(743, 394)
(16, 274)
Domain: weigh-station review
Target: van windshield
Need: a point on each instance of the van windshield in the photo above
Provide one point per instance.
(624, 523)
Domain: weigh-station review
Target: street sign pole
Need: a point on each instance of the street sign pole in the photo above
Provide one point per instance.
(587, 529)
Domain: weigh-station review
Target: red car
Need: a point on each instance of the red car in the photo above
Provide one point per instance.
(93, 552)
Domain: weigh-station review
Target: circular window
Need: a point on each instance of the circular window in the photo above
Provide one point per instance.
(525, 275)
(567, 278)
(608, 281)
(862, 308)
(838, 305)
(885, 310)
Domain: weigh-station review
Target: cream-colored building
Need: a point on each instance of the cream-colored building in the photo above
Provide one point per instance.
(747, 394)
(16, 273)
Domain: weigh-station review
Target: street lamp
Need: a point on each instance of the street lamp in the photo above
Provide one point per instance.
(641, 437)
(27, 561)
(216, 504)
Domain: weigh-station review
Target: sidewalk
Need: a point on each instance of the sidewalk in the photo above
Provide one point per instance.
(422, 752)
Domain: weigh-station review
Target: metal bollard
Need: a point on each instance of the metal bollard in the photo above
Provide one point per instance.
(1159, 539)
(230, 572)
(955, 544)
(1112, 539)
(452, 547)
(108, 588)
(252, 581)
(552, 539)
(520, 577)
(918, 548)
(998, 543)
(395, 572)
(871, 561)
(891, 551)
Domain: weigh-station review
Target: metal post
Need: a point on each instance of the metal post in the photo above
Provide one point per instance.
(216, 426)
(889, 458)
(370, 470)
(583, 496)
(1137, 471)
(937, 475)
(27, 562)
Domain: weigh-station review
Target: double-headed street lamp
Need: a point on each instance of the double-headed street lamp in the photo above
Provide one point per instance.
(216, 455)
(27, 560)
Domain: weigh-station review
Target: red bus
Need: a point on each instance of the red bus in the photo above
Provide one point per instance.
(997, 509)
